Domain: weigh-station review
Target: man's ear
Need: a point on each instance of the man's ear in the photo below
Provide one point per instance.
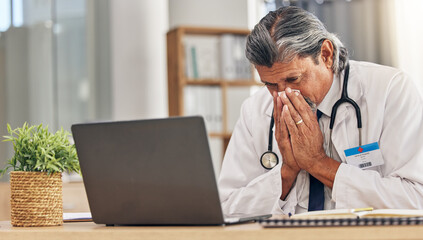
(326, 53)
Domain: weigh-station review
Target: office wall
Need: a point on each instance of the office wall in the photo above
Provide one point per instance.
(99, 58)
(3, 131)
(410, 37)
(138, 55)
(217, 13)
(14, 78)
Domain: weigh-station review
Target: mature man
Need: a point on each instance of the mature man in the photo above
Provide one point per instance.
(292, 50)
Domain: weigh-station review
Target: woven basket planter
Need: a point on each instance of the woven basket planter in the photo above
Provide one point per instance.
(36, 199)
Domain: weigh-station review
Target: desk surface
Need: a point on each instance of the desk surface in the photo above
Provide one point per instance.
(91, 231)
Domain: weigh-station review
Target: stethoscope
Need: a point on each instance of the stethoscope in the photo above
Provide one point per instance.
(269, 159)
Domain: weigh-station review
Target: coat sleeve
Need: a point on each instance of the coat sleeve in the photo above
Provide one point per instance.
(245, 186)
(398, 184)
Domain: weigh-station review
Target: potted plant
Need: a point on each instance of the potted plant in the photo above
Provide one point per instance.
(39, 159)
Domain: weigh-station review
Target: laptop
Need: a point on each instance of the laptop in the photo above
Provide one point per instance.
(150, 172)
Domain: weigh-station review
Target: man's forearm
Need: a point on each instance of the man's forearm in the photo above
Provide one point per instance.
(288, 178)
(325, 170)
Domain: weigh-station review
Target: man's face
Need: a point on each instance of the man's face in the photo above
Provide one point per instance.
(313, 80)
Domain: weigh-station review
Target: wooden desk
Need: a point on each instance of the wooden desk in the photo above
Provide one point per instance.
(91, 231)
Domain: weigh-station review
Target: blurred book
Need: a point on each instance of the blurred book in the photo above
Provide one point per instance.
(201, 57)
(236, 96)
(234, 64)
(214, 57)
(207, 102)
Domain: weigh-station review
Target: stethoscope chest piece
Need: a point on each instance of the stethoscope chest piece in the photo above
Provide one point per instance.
(269, 160)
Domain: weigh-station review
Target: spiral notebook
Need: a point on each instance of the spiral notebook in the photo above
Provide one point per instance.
(347, 217)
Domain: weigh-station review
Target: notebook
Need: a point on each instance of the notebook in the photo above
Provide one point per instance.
(348, 217)
(150, 172)
(360, 213)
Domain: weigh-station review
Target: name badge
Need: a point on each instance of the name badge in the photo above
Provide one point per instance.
(364, 156)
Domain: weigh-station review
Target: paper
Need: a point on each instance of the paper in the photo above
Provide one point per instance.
(77, 217)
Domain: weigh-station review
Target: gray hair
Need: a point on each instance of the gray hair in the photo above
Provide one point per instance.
(288, 32)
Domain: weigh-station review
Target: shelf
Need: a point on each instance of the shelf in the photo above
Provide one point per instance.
(220, 135)
(220, 82)
(209, 31)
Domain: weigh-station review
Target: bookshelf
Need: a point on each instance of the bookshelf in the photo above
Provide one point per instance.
(180, 79)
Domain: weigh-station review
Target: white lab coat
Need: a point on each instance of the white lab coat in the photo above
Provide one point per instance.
(392, 115)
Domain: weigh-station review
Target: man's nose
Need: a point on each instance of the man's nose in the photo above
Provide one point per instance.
(282, 87)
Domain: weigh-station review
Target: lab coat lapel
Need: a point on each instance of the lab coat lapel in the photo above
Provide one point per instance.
(269, 110)
(340, 134)
(268, 113)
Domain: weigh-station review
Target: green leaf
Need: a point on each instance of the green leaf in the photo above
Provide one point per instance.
(36, 149)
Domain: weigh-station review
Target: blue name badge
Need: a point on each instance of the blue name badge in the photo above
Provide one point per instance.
(365, 156)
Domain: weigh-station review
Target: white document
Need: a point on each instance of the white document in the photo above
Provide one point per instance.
(77, 217)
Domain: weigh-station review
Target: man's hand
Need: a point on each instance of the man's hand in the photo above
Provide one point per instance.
(306, 138)
(282, 135)
(290, 168)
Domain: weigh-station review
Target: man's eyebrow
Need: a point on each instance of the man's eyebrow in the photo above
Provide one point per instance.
(268, 83)
(290, 79)
(287, 79)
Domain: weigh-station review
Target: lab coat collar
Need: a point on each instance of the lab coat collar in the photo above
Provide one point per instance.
(331, 97)
(269, 108)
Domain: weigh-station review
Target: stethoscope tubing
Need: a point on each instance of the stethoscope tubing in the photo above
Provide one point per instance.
(345, 99)
(272, 123)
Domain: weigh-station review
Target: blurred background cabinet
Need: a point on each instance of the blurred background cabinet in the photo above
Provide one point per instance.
(209, 75)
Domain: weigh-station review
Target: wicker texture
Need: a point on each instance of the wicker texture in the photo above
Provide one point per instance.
(36, 199)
